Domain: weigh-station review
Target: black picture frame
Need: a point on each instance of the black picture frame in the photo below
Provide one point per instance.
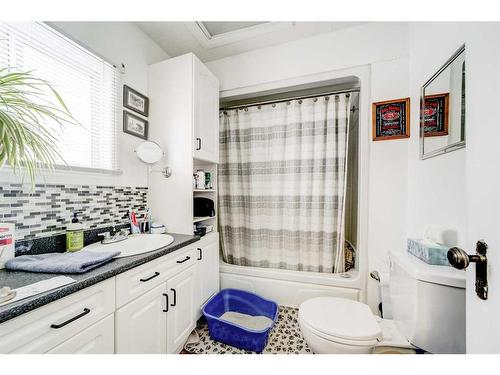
(128, 94)
(135, 132)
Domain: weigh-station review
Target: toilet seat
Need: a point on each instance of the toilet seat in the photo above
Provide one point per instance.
(340, 320)
(333, 339)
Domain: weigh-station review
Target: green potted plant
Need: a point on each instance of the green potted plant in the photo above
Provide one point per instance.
(27, 105)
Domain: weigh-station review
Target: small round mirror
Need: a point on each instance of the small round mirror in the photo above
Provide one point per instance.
(149, 152)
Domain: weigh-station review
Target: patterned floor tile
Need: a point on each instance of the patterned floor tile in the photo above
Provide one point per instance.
(285, 338)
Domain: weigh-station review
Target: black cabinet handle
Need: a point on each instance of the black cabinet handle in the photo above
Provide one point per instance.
(198, 147)
(151, 277)
(175, 297)
(184, 260)
(57, 326)
(200, 257)
(166, 297)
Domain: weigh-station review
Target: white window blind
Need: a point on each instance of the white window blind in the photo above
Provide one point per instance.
(88, 85)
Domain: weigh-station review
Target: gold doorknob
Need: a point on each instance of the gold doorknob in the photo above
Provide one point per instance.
(458, 258)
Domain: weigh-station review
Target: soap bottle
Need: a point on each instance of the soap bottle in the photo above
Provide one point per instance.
(74, 235)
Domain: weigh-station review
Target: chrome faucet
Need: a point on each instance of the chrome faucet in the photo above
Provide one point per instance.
(117, 237)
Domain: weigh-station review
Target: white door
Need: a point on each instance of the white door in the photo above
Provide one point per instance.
(206, 114)
(141, 325)
(208, 270)
(97, 339)
(181, 310)
(483, 184)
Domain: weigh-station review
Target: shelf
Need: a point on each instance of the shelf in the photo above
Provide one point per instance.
(197, 219)
(204, 190)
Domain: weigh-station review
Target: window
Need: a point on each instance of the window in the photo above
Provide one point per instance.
(88, 85)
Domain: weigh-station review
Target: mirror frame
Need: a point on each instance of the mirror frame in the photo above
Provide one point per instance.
(450, 147)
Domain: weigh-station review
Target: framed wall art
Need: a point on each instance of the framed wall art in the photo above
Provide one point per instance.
(135, 125)
(135, 101)
(391, 119)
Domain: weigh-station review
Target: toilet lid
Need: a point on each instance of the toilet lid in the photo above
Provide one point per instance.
(339, 317)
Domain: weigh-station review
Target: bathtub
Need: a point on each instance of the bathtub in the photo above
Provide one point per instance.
(291, 288)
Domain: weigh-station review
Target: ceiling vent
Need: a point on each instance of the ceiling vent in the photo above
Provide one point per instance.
(214, 34)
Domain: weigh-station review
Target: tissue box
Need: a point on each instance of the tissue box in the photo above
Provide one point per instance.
(429, 252)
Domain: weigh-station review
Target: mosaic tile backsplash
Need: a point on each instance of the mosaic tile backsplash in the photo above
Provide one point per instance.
(47, 209)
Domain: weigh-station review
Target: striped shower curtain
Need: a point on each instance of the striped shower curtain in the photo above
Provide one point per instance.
(282, 184)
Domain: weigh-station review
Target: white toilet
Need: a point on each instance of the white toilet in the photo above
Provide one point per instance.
(428, 305)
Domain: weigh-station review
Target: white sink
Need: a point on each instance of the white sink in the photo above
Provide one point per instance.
(133, 245)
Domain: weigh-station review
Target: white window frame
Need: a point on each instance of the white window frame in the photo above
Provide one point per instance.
(117, 110)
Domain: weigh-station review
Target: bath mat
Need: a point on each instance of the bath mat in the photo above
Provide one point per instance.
(285, 338)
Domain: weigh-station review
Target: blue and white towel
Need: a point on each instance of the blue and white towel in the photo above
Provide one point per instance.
(77, 262)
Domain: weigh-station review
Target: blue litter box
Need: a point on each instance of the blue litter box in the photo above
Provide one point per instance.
(239, 301)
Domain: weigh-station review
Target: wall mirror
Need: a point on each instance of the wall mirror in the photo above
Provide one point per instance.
(149, 152)
(442, 108)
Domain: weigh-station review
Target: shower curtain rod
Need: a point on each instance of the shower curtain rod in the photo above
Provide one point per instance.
(251, 104)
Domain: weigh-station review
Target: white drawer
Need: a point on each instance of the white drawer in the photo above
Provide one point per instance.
(99, 338)
(48, 326)
(137, 281)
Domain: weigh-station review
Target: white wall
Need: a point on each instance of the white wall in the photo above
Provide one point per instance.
(436, 186)
(388, 176)
(322, 53)
(362, 46)
(117, 42)
(467, 180)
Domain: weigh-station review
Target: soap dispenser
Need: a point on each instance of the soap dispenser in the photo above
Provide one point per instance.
(74, 235)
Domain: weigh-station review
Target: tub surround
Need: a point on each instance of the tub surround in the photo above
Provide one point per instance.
(291, 288)
(15, 279)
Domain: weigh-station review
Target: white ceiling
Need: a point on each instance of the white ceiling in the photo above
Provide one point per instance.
(215, 40)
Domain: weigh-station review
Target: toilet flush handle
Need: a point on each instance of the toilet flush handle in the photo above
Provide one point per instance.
(459, 259)
(375, 275)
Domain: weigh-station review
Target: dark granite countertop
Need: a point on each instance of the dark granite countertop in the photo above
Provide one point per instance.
(17, 279)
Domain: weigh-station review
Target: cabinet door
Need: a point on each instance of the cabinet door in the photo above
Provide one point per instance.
(97, 339)
(47, 327)
(208, 270)
(206, 114)
(181, 311)
(141, 324)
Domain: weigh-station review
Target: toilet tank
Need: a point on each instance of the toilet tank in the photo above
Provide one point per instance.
(428, 303)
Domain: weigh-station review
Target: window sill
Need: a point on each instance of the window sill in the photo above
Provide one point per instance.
(64, 168)
(88, 170)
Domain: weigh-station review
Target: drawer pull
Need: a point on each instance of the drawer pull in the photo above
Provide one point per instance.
(85, 312)
(151, 277)
(184, 260)
(166, 297)
(175, 297)
(200, 257)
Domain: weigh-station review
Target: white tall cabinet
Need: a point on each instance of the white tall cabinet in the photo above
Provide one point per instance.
(184, 121)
